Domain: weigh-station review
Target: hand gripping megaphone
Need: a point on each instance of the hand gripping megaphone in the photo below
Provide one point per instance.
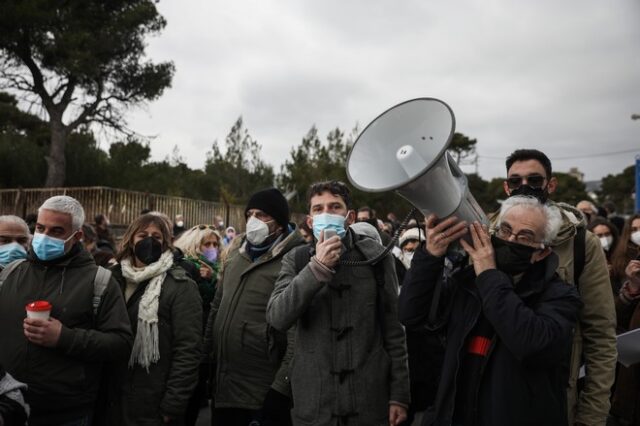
(405, 149)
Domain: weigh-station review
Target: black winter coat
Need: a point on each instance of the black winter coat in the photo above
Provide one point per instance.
(165, 389)
(525, 378)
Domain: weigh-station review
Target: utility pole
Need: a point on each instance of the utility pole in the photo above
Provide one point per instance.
(637, 117)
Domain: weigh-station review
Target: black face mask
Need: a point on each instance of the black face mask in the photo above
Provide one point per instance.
(148, 250)
(540, 193)
(512, 258)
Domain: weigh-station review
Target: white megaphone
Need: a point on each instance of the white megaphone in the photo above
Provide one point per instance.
(405, 149)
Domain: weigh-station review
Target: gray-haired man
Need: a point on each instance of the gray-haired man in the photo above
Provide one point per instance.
(60, 358)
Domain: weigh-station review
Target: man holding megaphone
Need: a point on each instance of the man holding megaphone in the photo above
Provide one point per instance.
(508, 319)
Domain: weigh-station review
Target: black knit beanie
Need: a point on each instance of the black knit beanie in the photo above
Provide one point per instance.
(272, 202)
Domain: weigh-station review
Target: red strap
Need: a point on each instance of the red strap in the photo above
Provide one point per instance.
(479, 345)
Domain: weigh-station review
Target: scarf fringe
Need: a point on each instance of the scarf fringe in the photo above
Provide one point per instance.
(145, 349)
(146, 345)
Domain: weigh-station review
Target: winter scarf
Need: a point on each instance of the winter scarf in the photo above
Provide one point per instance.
(145, 346)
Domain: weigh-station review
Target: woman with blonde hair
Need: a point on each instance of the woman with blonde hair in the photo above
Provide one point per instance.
(166, 319)
(200, 247)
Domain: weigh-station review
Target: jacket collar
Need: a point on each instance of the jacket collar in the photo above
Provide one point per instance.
(76, 256)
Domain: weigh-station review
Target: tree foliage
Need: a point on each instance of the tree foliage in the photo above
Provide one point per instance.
(463, 148)
(81, 62)
(619, 189)
(233, 171)
(238, 171)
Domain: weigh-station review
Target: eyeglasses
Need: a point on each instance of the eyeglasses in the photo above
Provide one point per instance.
(534, 180)
(526, 237)
(202, 227)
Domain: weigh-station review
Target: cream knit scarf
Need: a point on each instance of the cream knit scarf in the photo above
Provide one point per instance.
(145, 346)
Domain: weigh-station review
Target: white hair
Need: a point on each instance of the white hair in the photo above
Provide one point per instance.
(68, 205)
(15, 220)
(551, 214)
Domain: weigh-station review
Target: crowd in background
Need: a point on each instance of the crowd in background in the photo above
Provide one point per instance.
(163, 307)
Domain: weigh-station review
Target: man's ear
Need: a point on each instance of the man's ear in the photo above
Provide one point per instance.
(541, 254)
(309, 221)
(79, 235)
(552, 185)
(506, 188)
(350, 218)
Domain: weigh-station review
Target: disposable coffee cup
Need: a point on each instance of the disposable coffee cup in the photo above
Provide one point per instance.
(40, 309)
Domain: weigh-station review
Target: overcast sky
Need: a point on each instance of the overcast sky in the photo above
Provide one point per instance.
(562, 77)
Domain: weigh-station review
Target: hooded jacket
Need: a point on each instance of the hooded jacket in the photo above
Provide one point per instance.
(523, 381)
(350, 358)
(62, 381)
(594, 342)
(250, 356)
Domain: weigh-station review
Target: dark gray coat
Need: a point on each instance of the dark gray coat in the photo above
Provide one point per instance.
(350, 356)
(63, 380)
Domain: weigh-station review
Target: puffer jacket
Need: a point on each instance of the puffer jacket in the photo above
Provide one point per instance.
(165, 389)
(594, 342)
(62, 381)
(250, 356)
(350, 358)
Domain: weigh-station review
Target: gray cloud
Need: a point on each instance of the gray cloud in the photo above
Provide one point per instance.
(558, 76)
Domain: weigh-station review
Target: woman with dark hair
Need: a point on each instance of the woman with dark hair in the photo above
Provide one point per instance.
(625, 405)
(165, 310)
(607, 233)
(627, 249)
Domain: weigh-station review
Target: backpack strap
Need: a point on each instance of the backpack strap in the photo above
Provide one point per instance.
(100, 282)
(579, 247)
(302, 255)
(9, 269)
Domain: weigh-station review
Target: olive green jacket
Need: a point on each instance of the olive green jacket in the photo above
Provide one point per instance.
(594, 342)
(165, 388)
(250, 356)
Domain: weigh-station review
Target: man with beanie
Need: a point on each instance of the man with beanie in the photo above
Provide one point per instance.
(251, 358)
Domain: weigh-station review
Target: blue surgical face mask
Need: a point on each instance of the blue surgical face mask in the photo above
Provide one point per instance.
(10, 252)
(325, 221)
(48, 248)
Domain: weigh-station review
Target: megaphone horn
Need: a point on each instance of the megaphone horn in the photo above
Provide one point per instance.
(405, 149)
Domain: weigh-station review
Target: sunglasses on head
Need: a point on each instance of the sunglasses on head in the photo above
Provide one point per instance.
(535, 181)
(201, 227)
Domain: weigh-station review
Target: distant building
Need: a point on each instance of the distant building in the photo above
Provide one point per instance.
(573, 171)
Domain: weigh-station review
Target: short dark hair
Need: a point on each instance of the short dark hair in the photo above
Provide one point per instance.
(333, 186)
(530, 154)
(88, 233)
(98, 219)
(367, 209)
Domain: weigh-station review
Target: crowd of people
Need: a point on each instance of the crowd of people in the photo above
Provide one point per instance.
(342, 319)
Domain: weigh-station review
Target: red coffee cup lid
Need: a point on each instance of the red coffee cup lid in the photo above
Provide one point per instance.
(39, 306)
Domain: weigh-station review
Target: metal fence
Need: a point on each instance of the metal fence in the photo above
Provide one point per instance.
(122, 206)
